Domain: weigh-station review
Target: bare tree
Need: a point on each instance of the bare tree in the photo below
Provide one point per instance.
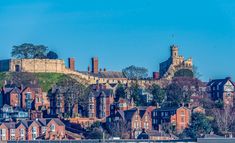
(224, 118)
(120, 129)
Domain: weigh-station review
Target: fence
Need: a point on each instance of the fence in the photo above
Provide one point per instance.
(105, 141)
(219, 140)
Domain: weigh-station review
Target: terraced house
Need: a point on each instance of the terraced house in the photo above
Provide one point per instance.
(135, 119)
(48, 129)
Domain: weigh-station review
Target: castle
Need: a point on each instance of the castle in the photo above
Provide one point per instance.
(175, 63)
(94, 75)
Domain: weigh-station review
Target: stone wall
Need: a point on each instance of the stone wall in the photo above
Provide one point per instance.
(37, 65)
(58, 66)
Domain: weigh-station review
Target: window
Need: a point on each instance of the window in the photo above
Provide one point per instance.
(182, 113)
(22, 134)
(44, 129)
(146, 118)
(34, 130)
(166, 114)
(182, 119)
(37, 100)
(34, 133)
(12, 136)
(28, 95)
(52, 128)
(136, 117)
(34, 136)
(3, 134)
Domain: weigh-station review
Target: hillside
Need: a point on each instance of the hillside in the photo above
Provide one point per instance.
(44, 80)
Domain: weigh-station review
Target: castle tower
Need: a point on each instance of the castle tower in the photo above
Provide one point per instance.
(95, 65)
(174, 51)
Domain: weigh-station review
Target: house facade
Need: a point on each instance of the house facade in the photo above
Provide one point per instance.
(135, 120)
(178, 117)
(222, 89)
(52, 129)
(100, 101)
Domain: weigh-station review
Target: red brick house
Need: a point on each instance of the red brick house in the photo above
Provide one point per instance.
(48, 129)
(222, 89)
(100, 101)
(30, 97)
(11, 96)
(178, 117)
(136, 119)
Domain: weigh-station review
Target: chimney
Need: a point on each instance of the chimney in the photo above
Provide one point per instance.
(155, 75)
(89, 69)
(71, 62)
(95, 65)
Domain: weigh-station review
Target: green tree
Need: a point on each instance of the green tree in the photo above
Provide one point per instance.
(52, 55)
(136, 73)
(184, 73)
(200, 126)
(174, 95)
(120, 92)
(95, 133)
(74, 93)
(158, 94)
(136, 94)
(29, 51)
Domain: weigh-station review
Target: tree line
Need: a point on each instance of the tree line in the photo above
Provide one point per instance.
(31, 51)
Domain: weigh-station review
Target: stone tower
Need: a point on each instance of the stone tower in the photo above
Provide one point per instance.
(174, 63)
(175, 58)
(174, 51)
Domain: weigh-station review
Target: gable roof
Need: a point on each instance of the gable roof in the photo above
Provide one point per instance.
(219, 82)
(10, 125)
(130, 113)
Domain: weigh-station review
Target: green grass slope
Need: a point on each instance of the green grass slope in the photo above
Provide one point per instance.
(45, 80)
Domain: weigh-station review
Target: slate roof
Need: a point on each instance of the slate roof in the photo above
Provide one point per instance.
(129, 113)
(44, 121)
(219, 82)
(9, 90)
(10, 125)
(106, 74)
(59, 122)
(105, 92)
(28, 123)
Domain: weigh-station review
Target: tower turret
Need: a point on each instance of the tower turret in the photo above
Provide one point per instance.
(174, 51)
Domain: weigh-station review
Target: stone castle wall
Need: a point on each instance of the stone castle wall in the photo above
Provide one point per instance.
(58, 66)
(37, 65)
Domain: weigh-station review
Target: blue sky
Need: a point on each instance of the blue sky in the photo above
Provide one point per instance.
(125, 32)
